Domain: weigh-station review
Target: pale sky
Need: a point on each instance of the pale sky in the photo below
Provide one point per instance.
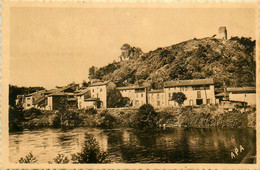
(55, 46)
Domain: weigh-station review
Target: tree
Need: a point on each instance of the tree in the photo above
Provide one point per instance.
(85, 84)
(146, 118)
(179, 97)
(91, 72)
(115, 99)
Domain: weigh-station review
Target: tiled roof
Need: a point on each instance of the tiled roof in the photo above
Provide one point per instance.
(241, 89)
(71, 99)
(38, 100)
(156, 91)
(92, 99)
(222, 94)
(131, 87)
(31, 94)
(99, 83)
(82, 92)
(58, 91)
(188, 82)
(20, 97)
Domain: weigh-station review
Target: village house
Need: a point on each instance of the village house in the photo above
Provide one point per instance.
(156, 98)
(197, 92)
(242, 94)
(136, 94)
(86, 101)
(99, 91)
(32, 100)
(20, 100)
(58, 97)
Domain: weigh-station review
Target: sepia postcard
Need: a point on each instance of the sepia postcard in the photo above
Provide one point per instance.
(129, 85)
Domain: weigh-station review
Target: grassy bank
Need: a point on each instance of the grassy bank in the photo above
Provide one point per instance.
(202, 117)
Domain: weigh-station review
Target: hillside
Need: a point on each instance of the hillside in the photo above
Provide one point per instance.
(226, 61)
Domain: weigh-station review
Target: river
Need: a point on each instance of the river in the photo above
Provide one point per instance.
(178, 145)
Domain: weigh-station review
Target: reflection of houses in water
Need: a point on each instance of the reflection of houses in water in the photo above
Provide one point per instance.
(102, 141)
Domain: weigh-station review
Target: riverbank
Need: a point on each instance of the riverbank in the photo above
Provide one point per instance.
(199, 117)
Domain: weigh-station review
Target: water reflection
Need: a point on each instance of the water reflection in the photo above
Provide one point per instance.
(178, 145)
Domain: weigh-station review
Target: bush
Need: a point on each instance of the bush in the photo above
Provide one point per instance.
(91, 111)
(146, 117)
(61, 159)
(32, 113)
(28, 159)
(90, 152)
(69, 119)
(106, 120)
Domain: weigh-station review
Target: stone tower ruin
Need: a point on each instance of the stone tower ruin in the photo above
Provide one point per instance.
(222, 31)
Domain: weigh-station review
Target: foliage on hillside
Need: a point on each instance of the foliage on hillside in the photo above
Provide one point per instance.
(231, 61)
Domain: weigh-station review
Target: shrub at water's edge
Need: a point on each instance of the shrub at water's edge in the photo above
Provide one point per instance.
(143, 118)
(146, 118)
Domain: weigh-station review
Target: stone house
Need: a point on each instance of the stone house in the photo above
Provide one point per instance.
(86, 101)
(156, 98)
(197, 91)
(242, 94)
(31, 100)
(138, 95)
(58, 97)
(99, 91)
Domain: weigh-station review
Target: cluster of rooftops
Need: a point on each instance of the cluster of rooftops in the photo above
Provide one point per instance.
(72, 93)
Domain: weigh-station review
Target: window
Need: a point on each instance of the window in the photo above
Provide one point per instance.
(93, 90)
(137, 102)
(191, 102)
(28, 98)
(169, 95)
(100, 89)
(28, 105)
(158, 103)
(142, 95)
(199, 94)
(208, 101)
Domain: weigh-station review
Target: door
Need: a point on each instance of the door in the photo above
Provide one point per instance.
(199, 101)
